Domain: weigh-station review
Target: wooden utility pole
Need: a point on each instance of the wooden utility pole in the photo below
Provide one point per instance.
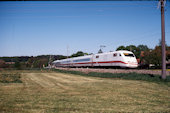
(163, 40)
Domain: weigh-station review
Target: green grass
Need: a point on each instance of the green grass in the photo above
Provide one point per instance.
(124, 76)
(55, 92)
(10, 78)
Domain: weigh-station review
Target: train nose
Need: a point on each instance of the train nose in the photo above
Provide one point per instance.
(132, 64)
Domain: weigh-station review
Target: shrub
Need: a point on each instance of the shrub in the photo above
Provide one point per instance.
(10, 78)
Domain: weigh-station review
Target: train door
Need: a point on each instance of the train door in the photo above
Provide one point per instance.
(92, 60)
(96, 60)
(105, 59)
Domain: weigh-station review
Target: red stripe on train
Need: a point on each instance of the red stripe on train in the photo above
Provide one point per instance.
(102, 62)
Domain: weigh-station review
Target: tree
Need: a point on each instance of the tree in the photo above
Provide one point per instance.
(31, 61)
(2, 64)
(17, 65)
(39, 63)
(146, 58)
(141, 50)
(168, 53)
(121, 48)
(143, 47)
(156, 56)
(153, 57)
(79, 53)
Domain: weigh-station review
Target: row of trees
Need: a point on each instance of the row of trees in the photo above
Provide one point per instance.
(27, 62)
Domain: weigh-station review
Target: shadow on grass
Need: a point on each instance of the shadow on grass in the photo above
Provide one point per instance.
(124, 76)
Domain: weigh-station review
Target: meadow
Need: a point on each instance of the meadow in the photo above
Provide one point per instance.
(44, 91)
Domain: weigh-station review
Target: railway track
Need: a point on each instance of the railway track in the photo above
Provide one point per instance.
(102, 70)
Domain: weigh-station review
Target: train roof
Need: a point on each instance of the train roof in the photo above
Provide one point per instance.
(119, 51)
(124, 51)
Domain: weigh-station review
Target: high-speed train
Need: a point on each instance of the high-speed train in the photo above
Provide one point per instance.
(121, 58)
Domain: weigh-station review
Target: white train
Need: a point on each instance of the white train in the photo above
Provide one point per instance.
(120, 58)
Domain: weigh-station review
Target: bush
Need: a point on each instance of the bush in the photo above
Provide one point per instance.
(10, 78)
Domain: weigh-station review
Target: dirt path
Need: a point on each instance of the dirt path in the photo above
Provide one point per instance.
(47, 80)
(55, 82)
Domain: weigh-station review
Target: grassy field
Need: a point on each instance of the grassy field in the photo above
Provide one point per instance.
(49, 91)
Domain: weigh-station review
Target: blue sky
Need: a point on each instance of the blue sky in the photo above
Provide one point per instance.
(37, 28)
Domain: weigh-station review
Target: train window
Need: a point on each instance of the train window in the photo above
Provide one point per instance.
(97, 56)
(82, 60)
(115, 54)
(128, 54)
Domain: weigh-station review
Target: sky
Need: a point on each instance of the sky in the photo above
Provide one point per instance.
(31, 28)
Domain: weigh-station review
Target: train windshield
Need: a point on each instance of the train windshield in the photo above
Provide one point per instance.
(128, 54)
